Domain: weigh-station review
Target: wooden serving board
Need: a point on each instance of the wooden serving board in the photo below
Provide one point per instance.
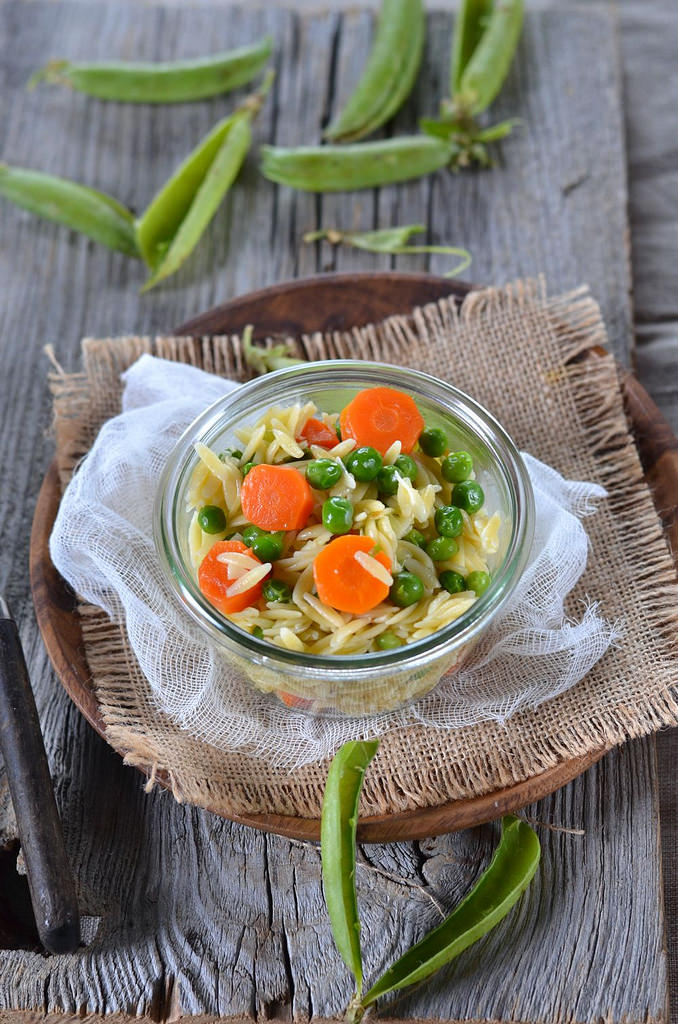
(328, 303)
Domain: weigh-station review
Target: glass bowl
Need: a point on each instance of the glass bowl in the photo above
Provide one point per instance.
(354, 684)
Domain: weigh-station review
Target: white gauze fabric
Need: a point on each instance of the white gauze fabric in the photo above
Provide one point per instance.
(102, 544)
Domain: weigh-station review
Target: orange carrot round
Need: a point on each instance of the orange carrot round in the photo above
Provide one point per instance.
(213, 578)
(293, 702)
(379, 416)
(316, 432)
(342, 582)
(276, 498)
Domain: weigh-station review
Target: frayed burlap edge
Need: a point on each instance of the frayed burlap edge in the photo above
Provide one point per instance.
(567, 328)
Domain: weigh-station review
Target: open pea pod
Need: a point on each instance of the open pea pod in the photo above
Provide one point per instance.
(78, 207)
(468, 30)
(173, 223)
(498, 889)
(337, 845)
(487, 66)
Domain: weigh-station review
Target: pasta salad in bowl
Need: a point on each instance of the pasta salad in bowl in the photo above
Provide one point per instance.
(344, 531)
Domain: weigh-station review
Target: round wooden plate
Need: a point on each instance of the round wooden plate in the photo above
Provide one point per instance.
(336, 302)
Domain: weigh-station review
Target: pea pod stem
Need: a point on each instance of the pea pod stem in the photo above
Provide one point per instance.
(337, 844)
(392, 241)
(356, 166)
(175, 220)
(389, 74)
(76, 206)
(168, 82)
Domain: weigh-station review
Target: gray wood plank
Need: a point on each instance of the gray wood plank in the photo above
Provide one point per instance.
(201, 914)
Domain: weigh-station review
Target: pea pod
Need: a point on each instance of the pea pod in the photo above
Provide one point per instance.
(356, 166)
(393, 241)
(265, 360)
(78, 207)
(389, 73)
(168, 82)
(337, 844)
(171, 226)
(498, 889)
(468, 30)
(486, 69)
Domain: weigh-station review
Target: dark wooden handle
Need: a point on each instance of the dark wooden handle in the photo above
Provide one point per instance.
(49, 874)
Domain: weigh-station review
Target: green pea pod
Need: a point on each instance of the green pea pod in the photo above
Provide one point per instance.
(337, 845)
(509, 873)
(80, 208)
(393, 241)
(356, 166)
(484, 74)
(171, 226)
(265, 360)
(389, 74)
(468, 30)
(169, 82)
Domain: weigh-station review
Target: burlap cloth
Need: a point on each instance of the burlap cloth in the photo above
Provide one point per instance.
(520, 354)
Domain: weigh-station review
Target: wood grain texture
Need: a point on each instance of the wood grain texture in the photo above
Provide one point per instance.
(195, 912)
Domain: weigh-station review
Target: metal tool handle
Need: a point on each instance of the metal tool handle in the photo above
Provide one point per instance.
(49, 874)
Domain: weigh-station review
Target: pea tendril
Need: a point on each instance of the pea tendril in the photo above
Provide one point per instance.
(393, 241)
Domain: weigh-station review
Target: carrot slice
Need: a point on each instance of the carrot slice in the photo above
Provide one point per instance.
(293, 702)
(342, 582)
(380, 416)
(276, 498)
(316, 432)
(213, 578)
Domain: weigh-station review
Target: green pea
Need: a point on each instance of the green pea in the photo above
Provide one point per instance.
(453, 582)
(276, 590)
(441, 548)
(337, 429)
(407, 589)
(230, 453)
(449, 521)
(433, 442)
(337, 515)
(387, 480)
(468, 495)
(323, 473)
(364, 463)
(407, 467)
(478, 582)
(456, 467)
(388, 641)
(246, 468)
(212, 519)
(268, 547)
(250, 534)
(258, 632)
(415, 537)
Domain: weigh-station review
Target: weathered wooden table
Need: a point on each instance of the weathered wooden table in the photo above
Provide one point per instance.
(189, 914)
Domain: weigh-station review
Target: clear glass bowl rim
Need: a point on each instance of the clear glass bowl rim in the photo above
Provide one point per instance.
(347, 372)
